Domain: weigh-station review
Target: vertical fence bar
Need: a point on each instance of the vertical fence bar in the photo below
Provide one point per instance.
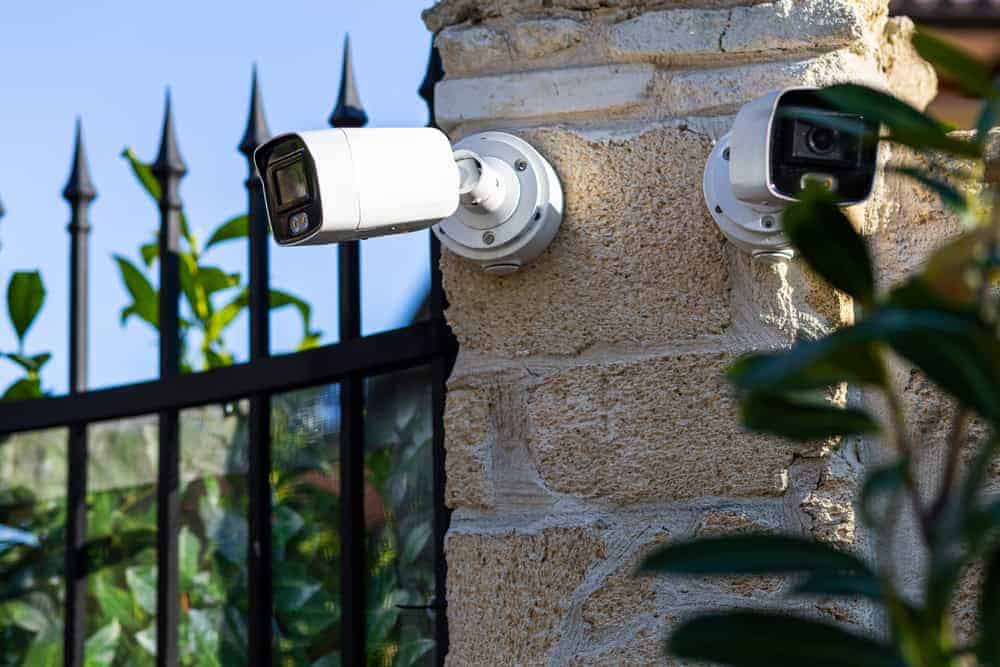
(79, 192)
(168, 168)
(440, 370)
(349, 113)
(259, 553)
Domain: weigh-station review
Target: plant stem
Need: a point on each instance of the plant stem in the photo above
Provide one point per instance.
(955, 440)
(901, 443)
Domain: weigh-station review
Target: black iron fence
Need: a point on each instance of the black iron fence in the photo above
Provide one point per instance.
(958, 13)
(351, 366)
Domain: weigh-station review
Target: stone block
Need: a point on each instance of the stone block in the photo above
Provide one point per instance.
(795, 25)
(652, 430)
(672, 36)
(638, 260)
(509, 593)
(606, 89)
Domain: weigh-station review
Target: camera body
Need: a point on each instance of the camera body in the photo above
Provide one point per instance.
(329, 186)
(778, 143)
(494, 201)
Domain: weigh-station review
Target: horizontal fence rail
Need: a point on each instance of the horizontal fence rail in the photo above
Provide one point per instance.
(347, 363)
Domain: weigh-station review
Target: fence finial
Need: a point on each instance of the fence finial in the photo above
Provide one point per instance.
(435, 72)
(79, 186)
(168, 160)
(257, 131)
(348, 112)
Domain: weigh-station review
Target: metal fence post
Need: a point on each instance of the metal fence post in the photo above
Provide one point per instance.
(440, 370)
(349, 113)
(79, 193)
(168, 168)
(259, 485)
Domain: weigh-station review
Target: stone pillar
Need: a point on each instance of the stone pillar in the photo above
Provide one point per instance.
(587, 419)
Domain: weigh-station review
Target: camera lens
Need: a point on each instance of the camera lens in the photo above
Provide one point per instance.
(822, 140)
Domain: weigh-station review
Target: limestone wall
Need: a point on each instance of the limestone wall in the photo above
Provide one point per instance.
(587, 420)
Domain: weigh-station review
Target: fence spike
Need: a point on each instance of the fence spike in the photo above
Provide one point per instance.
(435, 72)
(79, 187)
(349, 112)
(257, 131)
(168, 160)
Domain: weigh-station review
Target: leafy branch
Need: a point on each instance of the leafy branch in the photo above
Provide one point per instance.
(213, 297)
(25, 297)
(944, 321)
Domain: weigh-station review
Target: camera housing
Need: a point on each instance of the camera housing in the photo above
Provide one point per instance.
(495, 200)
(342, 184)
(778, 144)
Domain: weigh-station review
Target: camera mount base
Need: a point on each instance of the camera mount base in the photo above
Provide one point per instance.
(503, 233)
(755, 231)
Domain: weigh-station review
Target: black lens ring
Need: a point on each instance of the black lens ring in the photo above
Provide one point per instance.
(821, 140)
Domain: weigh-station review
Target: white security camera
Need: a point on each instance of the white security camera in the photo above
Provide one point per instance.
(778, 144)
(492, 199)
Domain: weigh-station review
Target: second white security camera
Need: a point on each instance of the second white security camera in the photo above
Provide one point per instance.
(491, 198)
(778, 143)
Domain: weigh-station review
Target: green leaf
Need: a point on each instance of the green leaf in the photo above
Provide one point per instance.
(415, 541)
(141, 581)
(280, 299)
(25, 296)
(114, 602)
(188, 550)
(235, 228)
(971, 75)
(31, 364)
(802, 421)
(958, 354)
(213, 279)
(101, 646)
(844, 356)
(45, 651)
(222, 318)
(988, 118)
(989, 613)
(883, 481)
(851, 585)
(749, 639)
(118, 548)
(950, 196)
(750, 554)
(906, 125)
(144, 174)
(332, 660)
(149, 252)
(410, 652)
(145, 301)
(827, 240)
(23, 389)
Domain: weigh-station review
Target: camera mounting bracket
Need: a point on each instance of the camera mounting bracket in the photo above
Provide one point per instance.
(755, 230)
(511, 214)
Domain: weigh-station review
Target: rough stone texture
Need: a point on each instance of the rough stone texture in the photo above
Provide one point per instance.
(619, 270)
(508, 593)
(587, 416)
(909, 76)
(795, 24)
(622, 594)
(525, 95)
(686, 34)
(452, 12)
(651, 430)
(705, 91)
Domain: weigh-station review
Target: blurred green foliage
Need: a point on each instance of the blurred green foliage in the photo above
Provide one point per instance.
(943, 321)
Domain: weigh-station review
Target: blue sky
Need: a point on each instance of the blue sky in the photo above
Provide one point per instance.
(110, 62)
